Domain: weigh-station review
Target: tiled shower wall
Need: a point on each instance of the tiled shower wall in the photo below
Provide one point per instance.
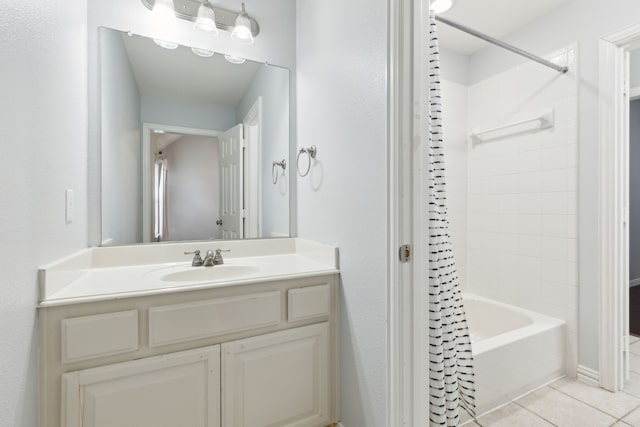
(521, 193)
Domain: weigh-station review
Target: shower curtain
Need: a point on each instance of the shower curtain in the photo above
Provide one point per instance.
(451, 382)
(160, 228)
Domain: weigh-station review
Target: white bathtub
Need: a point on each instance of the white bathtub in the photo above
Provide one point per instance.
(515, 350)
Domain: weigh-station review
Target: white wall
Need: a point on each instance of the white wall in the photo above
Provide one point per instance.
(43, 134)
(121, 153)
(192, 114)
(193, 188)
(275, 44)
(272, 84)
(454, 65)
(584, 21)
(455, 128)
(342, 109)
(522, 194)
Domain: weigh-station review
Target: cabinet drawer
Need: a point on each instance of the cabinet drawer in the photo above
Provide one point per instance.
(101, 335)
(309, 302)
(190, 321)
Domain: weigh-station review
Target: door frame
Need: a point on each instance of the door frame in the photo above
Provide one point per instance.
(407, 340)
(147, 128)
(613, 235)
(252, 153)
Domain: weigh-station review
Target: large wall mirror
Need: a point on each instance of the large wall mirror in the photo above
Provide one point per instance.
(193, 147)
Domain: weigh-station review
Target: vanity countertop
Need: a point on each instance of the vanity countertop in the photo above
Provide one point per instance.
(98, 274)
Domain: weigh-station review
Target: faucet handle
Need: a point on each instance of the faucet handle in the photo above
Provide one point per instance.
(197, 259)
(217, 260)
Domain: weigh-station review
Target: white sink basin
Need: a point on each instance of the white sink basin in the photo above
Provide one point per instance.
(202, 274)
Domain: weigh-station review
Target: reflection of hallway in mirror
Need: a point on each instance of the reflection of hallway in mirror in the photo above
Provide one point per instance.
(192, 190)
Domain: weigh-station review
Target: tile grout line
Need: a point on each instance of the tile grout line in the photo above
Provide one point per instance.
(598, 409)
(537, 415)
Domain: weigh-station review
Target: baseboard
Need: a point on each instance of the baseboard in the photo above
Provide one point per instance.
(634, 282)
(588, 375)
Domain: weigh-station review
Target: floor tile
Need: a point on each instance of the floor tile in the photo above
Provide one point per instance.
(633, 339)
(512, 415)
(621, 424)
(470, 424)
(634, 361)
(562, 410)
(633, 418)
(632, 386)
(635, 347)
(614, 404)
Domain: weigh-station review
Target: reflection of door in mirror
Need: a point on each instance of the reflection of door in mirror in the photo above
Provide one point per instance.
(203, 185)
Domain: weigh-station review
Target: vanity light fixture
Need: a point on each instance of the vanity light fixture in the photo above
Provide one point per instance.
(234, 59)
(441, 6)
(163, 10)
(206, 19)
(242, 30)
(202, 52)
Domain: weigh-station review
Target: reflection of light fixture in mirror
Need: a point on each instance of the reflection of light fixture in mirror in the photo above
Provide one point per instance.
(206, 19)
(165, 44)
(163, 10)
(441, 6)
(158, 131)
(234, 59)
(242, 31)
(202, 52)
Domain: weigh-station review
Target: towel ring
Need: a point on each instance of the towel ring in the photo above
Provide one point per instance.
(311, 154)
(274, 169)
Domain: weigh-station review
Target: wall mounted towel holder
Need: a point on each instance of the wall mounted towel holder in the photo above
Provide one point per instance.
(311, 153)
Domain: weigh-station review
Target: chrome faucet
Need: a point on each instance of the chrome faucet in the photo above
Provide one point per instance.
(197, 259)
(210, 260)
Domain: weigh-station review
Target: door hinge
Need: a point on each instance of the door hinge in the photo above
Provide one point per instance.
(244, 213)
(405, 253)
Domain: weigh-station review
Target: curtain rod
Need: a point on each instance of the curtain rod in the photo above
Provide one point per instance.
(502, 44)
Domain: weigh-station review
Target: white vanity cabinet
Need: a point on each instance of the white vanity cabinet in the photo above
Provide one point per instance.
(279, 379)
(247, 355)
(178, 389)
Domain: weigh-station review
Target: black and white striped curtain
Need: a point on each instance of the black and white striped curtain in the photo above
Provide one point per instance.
(451, 382)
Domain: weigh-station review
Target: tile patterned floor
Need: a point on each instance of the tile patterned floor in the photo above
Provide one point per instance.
(570, 403)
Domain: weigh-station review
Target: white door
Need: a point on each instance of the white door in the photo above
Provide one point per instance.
(179, 389)
(279, 379)
(231, 198)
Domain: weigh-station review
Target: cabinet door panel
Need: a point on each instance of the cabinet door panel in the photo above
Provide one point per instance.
(279, 379)
(179, 389)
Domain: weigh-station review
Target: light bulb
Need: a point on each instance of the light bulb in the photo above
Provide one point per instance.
(234, 59)
(242, 30)
(165, 44)
(202, 52)
(206, 20)
(441, 6)
(163, 10)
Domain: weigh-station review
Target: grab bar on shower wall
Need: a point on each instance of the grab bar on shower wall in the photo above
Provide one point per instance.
(545, 121)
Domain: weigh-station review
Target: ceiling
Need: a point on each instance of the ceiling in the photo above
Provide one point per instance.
(181, 75)
(496, 18)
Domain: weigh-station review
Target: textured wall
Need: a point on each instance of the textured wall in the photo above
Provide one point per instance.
(43, 134)
(342, 101)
